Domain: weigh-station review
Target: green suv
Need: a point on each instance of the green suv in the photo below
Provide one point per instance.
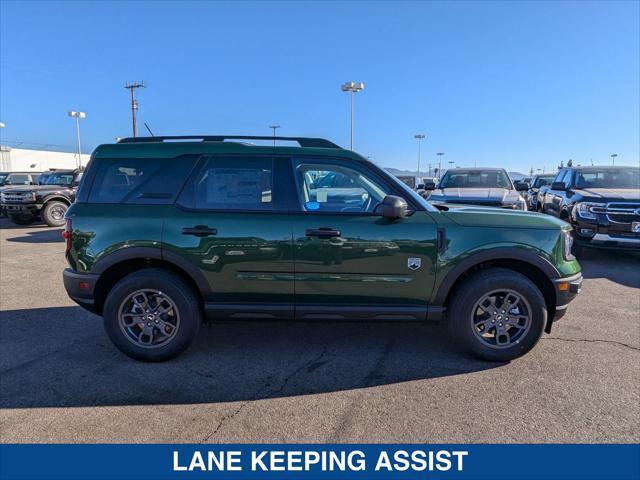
(169, 232)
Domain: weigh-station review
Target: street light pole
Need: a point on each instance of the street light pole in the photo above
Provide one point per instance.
(274, 127)
(613, 158)
(419, 137)
(353, 88)
(78, 116)
(440, 154)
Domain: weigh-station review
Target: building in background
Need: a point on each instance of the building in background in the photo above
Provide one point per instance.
(26, 160)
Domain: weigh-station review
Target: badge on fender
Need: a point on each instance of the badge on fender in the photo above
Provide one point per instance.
(414, 263)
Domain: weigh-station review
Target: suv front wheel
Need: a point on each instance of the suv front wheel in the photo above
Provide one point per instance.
(152, 315)
(497, 314)
(53, 213)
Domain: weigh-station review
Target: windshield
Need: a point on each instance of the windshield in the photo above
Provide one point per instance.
(475, 179)
(542, 181)
(609, 178)
(59, 178)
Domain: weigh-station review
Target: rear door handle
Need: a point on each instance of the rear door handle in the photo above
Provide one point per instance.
(200, 231)
(322, 232)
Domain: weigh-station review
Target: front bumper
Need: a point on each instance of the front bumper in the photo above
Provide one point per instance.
(80, 288)
(567, 288)
(22, 208)
(606, 235)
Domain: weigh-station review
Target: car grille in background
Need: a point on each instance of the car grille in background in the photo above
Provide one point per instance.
(620, 212)
(484, 203)
(16, 197)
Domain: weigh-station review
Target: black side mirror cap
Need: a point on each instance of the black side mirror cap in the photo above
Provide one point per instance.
(522, 186)
(429, 186)
(558, 186)
(393, 207)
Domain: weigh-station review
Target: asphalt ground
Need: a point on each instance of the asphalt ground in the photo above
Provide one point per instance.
(61, 380)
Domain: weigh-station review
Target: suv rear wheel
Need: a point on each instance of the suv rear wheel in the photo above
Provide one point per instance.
(497, 314)
(53, 213)
(152, 315)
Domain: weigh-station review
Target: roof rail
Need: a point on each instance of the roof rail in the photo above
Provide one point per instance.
(302, 141)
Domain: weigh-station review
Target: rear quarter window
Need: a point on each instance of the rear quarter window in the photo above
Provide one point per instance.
(140, 180)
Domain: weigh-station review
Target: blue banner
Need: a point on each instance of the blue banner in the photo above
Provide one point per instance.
(282, 462)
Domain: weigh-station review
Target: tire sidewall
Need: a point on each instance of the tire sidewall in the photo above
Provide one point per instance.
(168, 283)
(46, 213)
(473, 290)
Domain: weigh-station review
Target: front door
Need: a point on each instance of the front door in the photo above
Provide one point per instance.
(350, 262)
(231, 224)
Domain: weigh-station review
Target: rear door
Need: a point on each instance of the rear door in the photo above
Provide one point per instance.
(350, 262)
(232, 226)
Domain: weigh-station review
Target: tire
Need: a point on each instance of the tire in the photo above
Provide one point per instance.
(53, 213)
(463, 315)
(21, 219)
(185, 315)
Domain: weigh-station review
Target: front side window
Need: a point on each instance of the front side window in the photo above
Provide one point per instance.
(331, 187)
(231, 183)
(459, 178)
(609, 178)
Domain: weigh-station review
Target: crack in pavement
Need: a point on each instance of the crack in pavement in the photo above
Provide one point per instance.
(259, 394)
(578, 340)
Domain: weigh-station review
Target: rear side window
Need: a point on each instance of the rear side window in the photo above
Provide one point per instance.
(231, 183)
(140, 180)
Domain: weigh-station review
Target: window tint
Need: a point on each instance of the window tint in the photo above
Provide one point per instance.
(18, 180)
(232, 183)
(609, 178)
(140, 180)
(475, 179)
(327, 187)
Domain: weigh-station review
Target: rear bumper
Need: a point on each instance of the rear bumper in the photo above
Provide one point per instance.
(567, 288)
(80, 288)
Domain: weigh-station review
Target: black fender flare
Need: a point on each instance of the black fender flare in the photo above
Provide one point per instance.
(153, 253)
(506, 253)
(57, 197)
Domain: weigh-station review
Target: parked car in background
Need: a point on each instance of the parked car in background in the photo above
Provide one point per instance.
(421, 185)
(531, 195)
(166, 233)
(50, 201)
(601, 203)
(12, 179)
(489, 187)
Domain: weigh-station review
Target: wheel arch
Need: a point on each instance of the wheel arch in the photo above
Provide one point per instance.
(114, 267)
(56, 198)
(537, 269)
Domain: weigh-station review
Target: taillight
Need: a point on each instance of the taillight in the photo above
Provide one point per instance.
(66, 234)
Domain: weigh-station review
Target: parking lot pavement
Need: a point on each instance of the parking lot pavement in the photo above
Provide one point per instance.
(62, 381)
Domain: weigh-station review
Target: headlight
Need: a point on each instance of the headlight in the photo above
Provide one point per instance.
(585, 209)
(520, 205)
(568, 244)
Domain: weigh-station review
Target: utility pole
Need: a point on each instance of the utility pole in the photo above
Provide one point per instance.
(440, 154)
(352, 88)
(134, 103)
(274, 127)
(613, 158)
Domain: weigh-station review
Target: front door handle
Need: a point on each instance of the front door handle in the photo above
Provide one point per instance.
(322, 232)
(200, 231)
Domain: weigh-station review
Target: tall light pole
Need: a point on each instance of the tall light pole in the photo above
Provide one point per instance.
(134, 103)
(440, 154)
(419, 137)
(613, 158)
(78, 116)
(274, 128)
(353, 88)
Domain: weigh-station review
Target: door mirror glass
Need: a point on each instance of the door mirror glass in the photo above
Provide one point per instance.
(558, 186)
(393, 207)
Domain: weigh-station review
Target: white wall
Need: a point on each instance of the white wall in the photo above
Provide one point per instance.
(21, 159)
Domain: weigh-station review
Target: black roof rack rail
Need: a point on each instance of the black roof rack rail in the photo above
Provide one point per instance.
(302, 141)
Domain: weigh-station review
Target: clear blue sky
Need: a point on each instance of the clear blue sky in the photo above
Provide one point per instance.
(508, 84)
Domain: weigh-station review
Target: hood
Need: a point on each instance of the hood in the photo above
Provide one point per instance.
(499, 217)
(614, 194)
(34, 188)
(494, 195)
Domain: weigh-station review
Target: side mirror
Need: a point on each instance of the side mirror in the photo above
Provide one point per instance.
(430, 186)
(313, 186)
(558, 186)
(393, 207)
(522, 186)
(420, 186)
